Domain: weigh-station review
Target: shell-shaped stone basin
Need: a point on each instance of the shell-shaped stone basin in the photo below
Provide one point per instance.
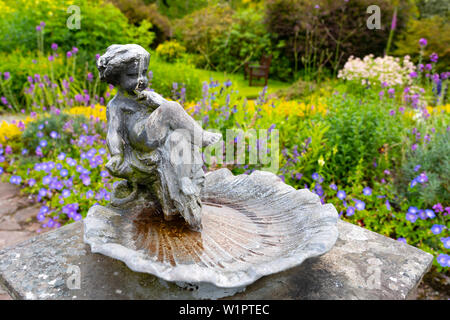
(253, 225)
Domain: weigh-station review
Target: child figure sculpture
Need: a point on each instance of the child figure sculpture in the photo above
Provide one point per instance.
(154, 144)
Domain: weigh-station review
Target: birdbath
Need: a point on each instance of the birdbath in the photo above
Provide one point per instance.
(170, 219)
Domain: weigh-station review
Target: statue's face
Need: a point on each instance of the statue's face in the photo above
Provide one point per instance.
(134, 77)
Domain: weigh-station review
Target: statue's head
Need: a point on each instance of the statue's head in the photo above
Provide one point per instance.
(125, 66)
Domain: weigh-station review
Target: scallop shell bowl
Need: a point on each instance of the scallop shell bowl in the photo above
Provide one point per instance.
(253, 225)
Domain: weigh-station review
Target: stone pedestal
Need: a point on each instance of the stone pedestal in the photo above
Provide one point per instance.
(362, 265)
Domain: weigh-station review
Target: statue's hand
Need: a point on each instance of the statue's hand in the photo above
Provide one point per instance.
(114, 163)
(149, 98)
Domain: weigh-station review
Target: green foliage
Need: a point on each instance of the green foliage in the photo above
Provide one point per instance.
(138, 11)
(170, 51)
(164, 75)
(436, 30)
(298, 90)
(176, 9)
(199, 30)
(246, 41)
(434, 160)
(318, 34)
(429, 8)
(361, 129)
(94, 34)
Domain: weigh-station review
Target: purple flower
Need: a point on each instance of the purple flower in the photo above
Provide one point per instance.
(38, 28)
(402, 240)
(69, 54)
(90, 76)
(411, 217)
(360, 205)
(51, 58)
(315, 176)
(414, 147)
(43, 143)
(333, 186)
(430, 213)
(6, 75)
(413, 183)
(422, 178)
(54, 134)
(437, 228)
(422, 215)
(61, 156)
(413, 210)
(388, 205)
(89, 194)
(341, 194)
(31, 182)
(413, 75)
(63, 173)
(367, 191)
(446, 242)
(443, 260)
(391, 92)
(66, 193)
(42, 192)
(350, 211)
(104, 173)
(423, 42)
(434, 57)
(438, 208)
(298, 176)
(54, 46)
(416, 168)
(15, 180)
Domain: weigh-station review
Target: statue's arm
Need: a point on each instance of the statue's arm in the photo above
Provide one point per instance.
(113, 138)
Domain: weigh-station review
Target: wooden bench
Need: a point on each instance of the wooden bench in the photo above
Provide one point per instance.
(258, 71)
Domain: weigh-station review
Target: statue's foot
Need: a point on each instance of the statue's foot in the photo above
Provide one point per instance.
(210, 138)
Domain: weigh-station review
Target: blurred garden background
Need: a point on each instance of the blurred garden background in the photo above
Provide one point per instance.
(362, 114)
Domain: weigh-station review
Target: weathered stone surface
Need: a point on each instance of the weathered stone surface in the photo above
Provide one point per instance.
(362, 265)
(26, 214)
(8, 223)
(8, 206)
(8, 190)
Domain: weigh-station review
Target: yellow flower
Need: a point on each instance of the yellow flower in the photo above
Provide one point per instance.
(8, 131)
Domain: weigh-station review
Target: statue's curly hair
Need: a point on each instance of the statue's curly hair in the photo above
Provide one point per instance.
(116, 58)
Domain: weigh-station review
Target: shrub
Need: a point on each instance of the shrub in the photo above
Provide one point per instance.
(361, 131)
(176, 81)
(385, 70)
(200, 29)
(94, 36)
(138, 11)
(424, 178)
(429, 8)
(170, 51)
(436, 30)
(326, 33)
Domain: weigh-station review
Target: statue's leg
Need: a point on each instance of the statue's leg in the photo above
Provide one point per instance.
(172, 115)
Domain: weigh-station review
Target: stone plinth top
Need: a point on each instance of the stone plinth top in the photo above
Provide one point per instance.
(362, 265)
